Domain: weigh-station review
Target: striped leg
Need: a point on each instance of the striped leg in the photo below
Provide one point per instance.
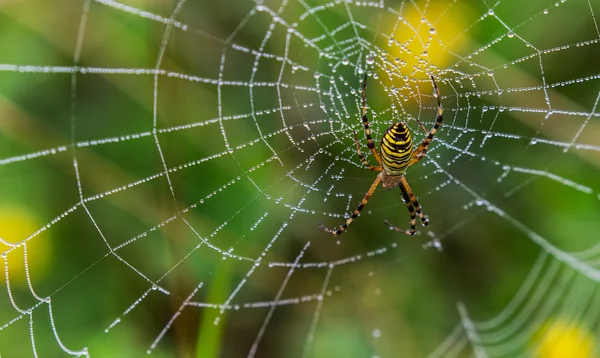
(419, 153)
(411, 210)
(355, 213)
(365, 121)
(362, 158)
(413, 200)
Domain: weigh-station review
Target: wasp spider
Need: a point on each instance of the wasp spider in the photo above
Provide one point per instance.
(397, 155)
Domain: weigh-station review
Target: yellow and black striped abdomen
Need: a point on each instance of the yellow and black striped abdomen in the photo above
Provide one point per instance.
(396, 149)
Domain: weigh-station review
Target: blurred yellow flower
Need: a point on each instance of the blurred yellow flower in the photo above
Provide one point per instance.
(16, 224)
(417, 33)
(559, 339)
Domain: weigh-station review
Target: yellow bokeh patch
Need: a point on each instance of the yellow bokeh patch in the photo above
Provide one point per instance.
(16, 225)
(417, 34)
(560, 339)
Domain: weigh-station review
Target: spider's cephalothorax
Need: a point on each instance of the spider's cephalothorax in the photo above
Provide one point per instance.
(397, 155)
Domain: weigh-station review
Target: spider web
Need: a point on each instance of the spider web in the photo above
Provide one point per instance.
(181, 155)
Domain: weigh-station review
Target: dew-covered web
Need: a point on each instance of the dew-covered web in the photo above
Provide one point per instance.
(200, 144)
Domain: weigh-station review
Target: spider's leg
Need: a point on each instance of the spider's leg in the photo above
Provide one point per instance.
(419, 153)
(413, 200)
(365, 121)
(411, 210)
(355, 213)
(362, 158)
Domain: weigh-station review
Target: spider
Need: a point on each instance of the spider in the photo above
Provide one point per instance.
(397, 155)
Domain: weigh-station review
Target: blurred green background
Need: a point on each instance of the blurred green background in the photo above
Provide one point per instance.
(163, 165)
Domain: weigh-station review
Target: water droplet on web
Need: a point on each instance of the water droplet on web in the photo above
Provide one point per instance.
(370, 59)
(545, 11)
(436, 243)
(491, 12)
(432, 30)
(490, 73)
(317, 75)
(345, 61)
(510, 34)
